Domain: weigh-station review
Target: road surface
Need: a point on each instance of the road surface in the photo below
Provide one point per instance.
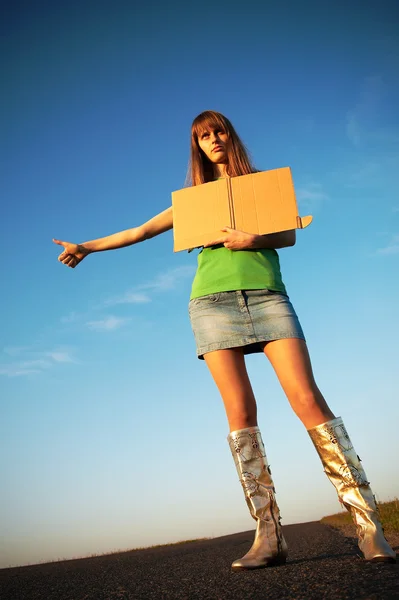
(322, 564)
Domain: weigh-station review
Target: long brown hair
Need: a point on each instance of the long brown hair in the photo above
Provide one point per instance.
(200, 169)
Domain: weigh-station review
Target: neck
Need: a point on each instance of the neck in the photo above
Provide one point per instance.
(220, 170)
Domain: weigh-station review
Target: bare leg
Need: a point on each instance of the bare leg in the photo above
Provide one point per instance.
(291, 362)
(229, 372)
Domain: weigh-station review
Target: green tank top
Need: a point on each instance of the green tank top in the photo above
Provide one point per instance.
(223, 270)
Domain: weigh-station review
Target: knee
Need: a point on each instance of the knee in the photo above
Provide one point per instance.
(305, 401)
(311, 408)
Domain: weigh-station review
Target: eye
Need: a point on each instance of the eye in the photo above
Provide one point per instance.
(204, 135)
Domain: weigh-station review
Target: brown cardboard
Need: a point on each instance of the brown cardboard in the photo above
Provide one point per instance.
(259, 203)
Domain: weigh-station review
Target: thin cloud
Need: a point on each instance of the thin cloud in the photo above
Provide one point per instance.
(311, 196)
(15, 350)
(129, 298)
(367, 174)
(357, 119)
(162, 282)
(168, 280)
(108, 324)
(25, 367)
(353, 129)
(60, 357)
(15, 370)
(391, 248)
(376, 172)
(39, 363)
(311, 192)
(363, 121)
(71, 318)
(34, 361)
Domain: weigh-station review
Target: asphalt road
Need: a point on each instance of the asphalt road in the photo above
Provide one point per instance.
(322, 564)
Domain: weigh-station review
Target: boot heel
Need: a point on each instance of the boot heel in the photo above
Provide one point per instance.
(277, 562)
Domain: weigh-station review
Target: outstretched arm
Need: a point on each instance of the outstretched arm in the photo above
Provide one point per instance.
(73, 254)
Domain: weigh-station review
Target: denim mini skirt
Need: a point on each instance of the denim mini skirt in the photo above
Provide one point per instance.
(242, 318)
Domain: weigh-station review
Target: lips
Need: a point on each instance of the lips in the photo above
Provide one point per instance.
(218, 149)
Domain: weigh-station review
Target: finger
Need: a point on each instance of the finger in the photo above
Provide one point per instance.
(215, 242)
(70, 261)
(59, 242)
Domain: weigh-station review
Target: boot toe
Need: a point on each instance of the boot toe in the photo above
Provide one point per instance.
(239, 565)
(244, 564)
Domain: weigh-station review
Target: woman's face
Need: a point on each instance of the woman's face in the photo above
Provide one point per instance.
(213, 144)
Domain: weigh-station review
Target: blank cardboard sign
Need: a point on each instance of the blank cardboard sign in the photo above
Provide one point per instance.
(259, 203)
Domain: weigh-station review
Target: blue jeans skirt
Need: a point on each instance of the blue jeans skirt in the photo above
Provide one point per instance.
(242, 318)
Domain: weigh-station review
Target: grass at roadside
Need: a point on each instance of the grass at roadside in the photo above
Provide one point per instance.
(388, 511)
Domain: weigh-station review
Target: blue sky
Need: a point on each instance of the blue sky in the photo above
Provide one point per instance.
(113, 435)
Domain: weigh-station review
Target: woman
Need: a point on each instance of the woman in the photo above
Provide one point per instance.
(239, 305)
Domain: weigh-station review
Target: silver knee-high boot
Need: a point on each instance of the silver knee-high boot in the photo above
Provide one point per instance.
(344, 469)
(269, 547)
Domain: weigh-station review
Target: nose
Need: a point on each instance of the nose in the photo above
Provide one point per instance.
(215, 138)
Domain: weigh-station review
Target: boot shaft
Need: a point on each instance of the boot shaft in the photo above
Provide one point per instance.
(345, 471)
(341, 463)
(249, 455)
(253, 470)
